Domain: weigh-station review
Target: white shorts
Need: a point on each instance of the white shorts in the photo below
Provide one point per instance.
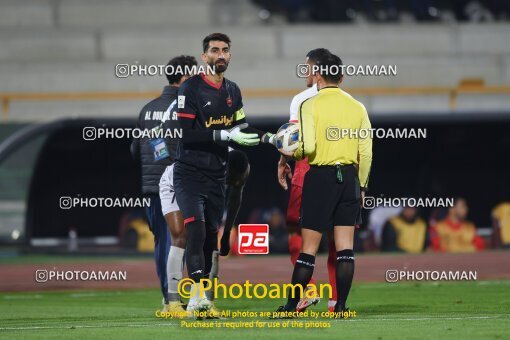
(166, 191)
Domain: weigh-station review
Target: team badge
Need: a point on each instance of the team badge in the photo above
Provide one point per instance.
(180, 101)
(229, 102)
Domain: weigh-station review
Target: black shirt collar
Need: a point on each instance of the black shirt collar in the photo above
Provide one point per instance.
(169, 91)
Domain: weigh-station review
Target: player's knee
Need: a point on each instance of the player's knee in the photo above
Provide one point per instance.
(238, 168)
(309, 248)
(343, 245)
(177, 231)
(179, 240)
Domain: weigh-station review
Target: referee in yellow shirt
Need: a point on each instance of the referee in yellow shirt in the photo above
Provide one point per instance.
(331, 125)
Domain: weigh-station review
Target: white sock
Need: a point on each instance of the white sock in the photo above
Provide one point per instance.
(214, 274)
(174, 268)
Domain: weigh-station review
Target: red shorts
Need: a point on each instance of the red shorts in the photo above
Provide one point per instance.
(296, 189)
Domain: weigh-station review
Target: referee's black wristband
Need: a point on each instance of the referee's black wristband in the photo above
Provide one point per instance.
(217, 135)
(364, 189)
(268, 138)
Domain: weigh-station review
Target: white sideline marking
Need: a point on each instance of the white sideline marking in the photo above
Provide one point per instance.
(81, 295)
(85, 326)
(22, 297)
(500, 316)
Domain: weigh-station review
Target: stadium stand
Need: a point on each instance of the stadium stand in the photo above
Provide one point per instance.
(72, 47)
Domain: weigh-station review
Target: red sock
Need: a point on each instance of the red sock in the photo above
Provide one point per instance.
(332, 268)
(294, 250)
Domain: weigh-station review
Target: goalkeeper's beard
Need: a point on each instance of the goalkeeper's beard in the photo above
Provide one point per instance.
(219, 68)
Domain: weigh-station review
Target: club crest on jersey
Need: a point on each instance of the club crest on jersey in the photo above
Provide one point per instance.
(180, 101)
(229, 102)
(223, 120)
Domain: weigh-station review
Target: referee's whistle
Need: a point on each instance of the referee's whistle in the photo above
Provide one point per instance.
(339, 177)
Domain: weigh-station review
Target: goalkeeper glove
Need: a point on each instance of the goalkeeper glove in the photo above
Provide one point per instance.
(234, 134)
(269, 138)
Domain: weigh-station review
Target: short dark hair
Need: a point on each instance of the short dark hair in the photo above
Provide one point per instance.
(179, 65)
(316, 54)
(215, 37)
(329, 67)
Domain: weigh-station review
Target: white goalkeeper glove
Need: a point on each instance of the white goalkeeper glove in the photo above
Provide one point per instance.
(234, 134)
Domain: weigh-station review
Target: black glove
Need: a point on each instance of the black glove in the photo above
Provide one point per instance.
(225, 243)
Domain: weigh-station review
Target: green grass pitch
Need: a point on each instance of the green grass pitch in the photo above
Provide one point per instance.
(459, 310)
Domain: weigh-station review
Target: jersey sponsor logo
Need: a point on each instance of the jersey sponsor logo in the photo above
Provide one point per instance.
(229, 102)
(223, 120)
(253, 239)
(181, 100)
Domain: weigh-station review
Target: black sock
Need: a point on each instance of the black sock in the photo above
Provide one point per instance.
(195, 250)
(210, 245)
(234, 198)
(344, 275)
(303, 271)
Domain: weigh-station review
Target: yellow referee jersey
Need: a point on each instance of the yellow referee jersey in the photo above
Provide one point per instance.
(334, 128)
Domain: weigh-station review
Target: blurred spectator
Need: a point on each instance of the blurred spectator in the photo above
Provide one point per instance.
(437, 215)
(377, 10)
(425, 10)
(377, 219)
(405, 232)
(278, 243)
(472, 10)
(501, 225)
(296, 10)
(134, 233)
(384, 10)
(331, 11)
(455, 233)
(500, 9)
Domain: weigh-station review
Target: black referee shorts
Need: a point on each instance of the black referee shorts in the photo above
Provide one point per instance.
(200, 197)
(326, 202)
